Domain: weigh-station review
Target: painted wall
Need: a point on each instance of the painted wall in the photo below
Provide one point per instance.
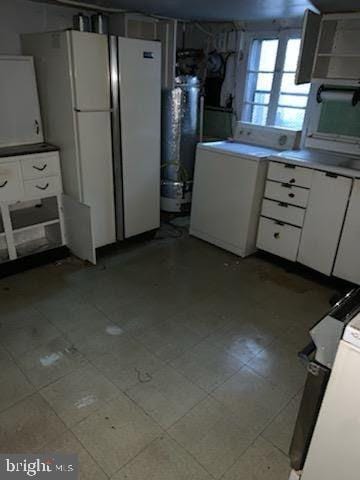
(25, 16)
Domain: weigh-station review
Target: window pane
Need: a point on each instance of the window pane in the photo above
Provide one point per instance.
(259, 114)
(292, 54)
(293, 100)
(288, 84)
(289, 118)
(264, 81)
(260, 97)
(268, 54)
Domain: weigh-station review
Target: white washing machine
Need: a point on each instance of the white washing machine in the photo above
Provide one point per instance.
(229, 183)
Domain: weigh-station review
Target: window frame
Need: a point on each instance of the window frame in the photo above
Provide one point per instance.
(244, 105)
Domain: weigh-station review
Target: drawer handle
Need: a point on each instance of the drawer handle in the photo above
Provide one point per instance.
(277, 235)
(292, 180)
(291, 195)
(40, 169)
(285, 185)
(4, 184)
(288, 165)
(282, 204)
(330, 174)
(42, 188)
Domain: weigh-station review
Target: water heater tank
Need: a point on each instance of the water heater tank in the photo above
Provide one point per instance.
(180, 114)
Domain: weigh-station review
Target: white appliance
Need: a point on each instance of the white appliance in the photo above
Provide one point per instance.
(102, 107)
(135, 67)
(20, 121)
(73, 77)
(229, 184)
(334, 448)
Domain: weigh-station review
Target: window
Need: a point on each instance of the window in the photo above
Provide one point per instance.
(271, 96)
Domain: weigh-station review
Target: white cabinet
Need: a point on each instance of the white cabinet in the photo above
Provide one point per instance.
(347, 263)
(35, 215)
(336, 57)
(20, 121)
(323, 221)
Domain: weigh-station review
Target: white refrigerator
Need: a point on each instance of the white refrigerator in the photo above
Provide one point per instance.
(101, 103)
(74, 87)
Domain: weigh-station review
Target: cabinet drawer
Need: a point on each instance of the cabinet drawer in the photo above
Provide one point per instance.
(10, 181)
(279, 239)
(283, 212)
(42, 166)
(284, 192)
(292, 174)
(42, 187)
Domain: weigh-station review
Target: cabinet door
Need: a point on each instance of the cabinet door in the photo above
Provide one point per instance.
(20, 121)
(90, 62)
(347, 263)
(309, 37)
(323, 221)
(78, 229)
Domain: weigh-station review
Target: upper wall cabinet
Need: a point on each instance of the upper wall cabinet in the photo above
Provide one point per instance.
(331, 49)
(20, 121)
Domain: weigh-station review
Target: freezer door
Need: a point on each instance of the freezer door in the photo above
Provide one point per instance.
(94, 139)
(90, 64)
(140, 91)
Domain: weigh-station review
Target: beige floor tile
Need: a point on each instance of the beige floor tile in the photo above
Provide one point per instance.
(68, 443)
(201, 319)
(242, 340)
(14, 386)
(71, 312)
(281, 429)
(254, 399)
(27, 333)
(145, 311)
(28, 425)
(79, 394)
(167, 396)
(51, 361)
(262, 461)
(213, 435)
(167, 340)
(129, 365)
(207, 365)
(109, 294)
(163, 459)
(99, 340)
(116, 433)
(279, 363)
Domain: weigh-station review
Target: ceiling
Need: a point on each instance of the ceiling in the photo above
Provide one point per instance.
(230, 10)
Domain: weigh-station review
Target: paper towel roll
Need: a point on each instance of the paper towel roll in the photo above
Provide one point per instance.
(336, 96)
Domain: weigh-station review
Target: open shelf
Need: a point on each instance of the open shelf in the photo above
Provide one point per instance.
(26, 215)
(37, 239)
(338, 54)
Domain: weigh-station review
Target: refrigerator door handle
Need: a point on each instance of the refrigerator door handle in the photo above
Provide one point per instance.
(77, 110)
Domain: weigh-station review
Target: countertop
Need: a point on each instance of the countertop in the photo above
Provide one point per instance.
(341, 164)
(254, 152)
(27, 149)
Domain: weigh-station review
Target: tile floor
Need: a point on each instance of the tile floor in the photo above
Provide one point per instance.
(169, 360)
